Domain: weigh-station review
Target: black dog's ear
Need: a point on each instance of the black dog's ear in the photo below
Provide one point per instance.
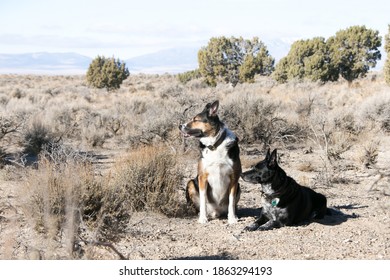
(268, 155)
(273, 160)
(214, 108)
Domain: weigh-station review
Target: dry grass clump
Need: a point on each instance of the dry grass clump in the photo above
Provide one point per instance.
(152, 179)
(66, 201)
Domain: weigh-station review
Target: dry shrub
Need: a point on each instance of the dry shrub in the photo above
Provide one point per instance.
(3, 156)
(63, 120)
(94, 137)
(256, 119)
(152, 179)
(339, 143)
(368, 154)
(377, 110)
(306, 167)
(9, 124)
(66, 201)
(50, 190)
(334, 132)
(154, 123)
(36, 136)
(347, 122)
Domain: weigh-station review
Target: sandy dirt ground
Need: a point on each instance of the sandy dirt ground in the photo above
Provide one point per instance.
(359, 227)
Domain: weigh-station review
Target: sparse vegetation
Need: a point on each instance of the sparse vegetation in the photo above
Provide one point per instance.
(105, 158)
(188, 76)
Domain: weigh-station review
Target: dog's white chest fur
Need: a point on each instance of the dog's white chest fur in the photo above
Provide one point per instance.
(272, 211)
(218, 165)
(267, 189)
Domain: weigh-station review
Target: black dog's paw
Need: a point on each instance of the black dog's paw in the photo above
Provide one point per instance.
(251, 227)
(269, 225)
(264, 228)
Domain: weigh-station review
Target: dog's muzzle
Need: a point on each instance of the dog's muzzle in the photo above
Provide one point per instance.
(253, 177)
(188, 132)
(249, 177)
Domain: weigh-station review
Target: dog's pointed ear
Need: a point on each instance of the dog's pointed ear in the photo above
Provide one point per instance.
(268, 155)
(214, 108)
(273, 160)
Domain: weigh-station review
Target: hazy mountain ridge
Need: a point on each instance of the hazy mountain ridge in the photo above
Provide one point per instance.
(43, 62)
(173, 61)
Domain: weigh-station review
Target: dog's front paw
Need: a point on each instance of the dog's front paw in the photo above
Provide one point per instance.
(203, 219)
(269, 225)
(232, 219)
(251, 227)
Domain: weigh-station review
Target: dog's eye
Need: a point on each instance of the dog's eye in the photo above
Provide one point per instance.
(256, 167)
(197, 120)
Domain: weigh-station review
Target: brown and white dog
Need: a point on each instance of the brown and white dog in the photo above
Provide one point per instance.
(215, 190)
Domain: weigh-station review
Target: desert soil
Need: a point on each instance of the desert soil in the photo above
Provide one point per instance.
(358, 229)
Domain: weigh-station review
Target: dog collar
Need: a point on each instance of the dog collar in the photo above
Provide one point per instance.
(218, 142)
(274, 202)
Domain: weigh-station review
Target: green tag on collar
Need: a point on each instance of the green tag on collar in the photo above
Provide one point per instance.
(274, 202)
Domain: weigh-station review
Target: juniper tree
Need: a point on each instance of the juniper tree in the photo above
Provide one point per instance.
(354, 51)
(307, 59)
(234, 60)
(386, 68)
(107, 73)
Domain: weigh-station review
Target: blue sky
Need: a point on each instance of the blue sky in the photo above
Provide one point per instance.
(130, 28)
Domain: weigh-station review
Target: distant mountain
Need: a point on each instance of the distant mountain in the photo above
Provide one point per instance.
(173, 60)
(44, 63)
(278, 48)
(184, 59)
(170, 60)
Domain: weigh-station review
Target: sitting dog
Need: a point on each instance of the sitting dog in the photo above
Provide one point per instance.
(284, 201)
(215, 190)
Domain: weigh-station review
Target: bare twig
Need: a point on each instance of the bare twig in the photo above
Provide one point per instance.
(105, 244)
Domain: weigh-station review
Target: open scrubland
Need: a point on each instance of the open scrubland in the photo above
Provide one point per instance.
(91, 174)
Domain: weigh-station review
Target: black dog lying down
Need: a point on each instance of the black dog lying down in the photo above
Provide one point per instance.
(284, 201)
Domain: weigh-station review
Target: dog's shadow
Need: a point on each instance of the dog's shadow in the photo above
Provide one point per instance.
(333, 218)
(338, 217)
(248, 212)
